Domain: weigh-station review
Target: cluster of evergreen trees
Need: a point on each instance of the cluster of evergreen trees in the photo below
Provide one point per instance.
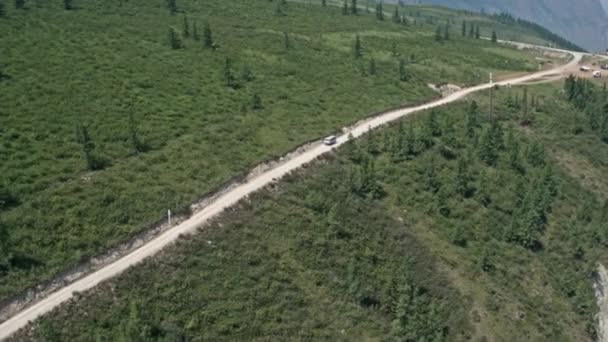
(234, 80)
(442, 33)
(68, 5)
(480, 137)
(403, 73)
(175, 37)
(592, 100)
(470, 30)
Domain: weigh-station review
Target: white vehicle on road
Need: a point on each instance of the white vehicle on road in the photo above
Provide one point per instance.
(597, 74)
(330, 140)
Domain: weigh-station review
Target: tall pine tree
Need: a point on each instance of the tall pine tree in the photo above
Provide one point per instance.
(379, 11)
(357, 49)
(175, 39)
(207, 37)
(186, 30)
(172, 5)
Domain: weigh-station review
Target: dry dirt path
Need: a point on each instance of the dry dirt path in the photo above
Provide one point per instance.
(236, 194)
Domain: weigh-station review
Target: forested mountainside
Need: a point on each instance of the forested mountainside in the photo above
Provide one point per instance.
(584, 22)
(455, 224)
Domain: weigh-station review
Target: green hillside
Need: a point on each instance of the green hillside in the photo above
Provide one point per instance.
(449, 225)
(104, 126)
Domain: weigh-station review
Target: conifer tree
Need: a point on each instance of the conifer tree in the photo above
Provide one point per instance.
(67, 5)
(403, 327)
(438, 36)
(372, 67)
(477, 33)
(462, 178)
(286, 42)
(536, 154)
(486, 259)
(430, 174)
(394, 49)
(472, 121)
(345, 8)
(247, 74)
(570, 87)
(403, 73)
(526, 119)
(353, 7)
(446, 32)
(357, 50)
(594, 119)
(175, 40)
(424, 138)
(464, 28)
(471, 30)
(494, 37)
(207, 37)
(186, 27)
(604, 126)
(19, 4)
(396, 16)
(278, 10)
(514, 152)
(88, 147)
(172, 5)
(372, 144)
(2, 9)
(138, 146)
(4, 244)
(256, 102)
(488, 151)
(324, 3)
(483, 190)
(410, 140)
(228, 74)
(432, 124)
(195, 35)
(379, 11)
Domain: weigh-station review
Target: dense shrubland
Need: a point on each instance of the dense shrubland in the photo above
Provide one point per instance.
(115, 111)
(453, 224)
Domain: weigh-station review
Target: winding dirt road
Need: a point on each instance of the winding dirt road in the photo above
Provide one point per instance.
(231, 197)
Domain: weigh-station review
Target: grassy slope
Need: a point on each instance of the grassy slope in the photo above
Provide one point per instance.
(97, 64)
(305, 258)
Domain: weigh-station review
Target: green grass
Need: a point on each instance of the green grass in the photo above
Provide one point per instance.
(98, 64)
(305, 258)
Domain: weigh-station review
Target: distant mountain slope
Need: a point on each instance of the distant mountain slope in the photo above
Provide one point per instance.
(585, 22)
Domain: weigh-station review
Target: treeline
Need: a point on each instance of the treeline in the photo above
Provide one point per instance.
(592, 100)
(68, 5)
(544, 33)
